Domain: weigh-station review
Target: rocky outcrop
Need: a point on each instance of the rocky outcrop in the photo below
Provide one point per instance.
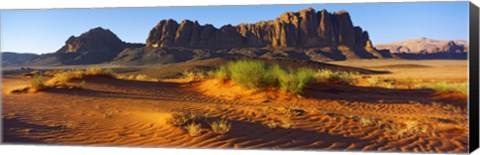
(303, 29)
(95, 46)
(98, 45)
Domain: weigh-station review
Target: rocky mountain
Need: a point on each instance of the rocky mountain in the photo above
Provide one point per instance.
(304, 35)
(12, 58)
(303, 29)
(98, 45)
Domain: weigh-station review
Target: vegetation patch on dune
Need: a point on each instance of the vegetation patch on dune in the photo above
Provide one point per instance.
(381, 82)
(61, 79)
(137, 77)
(254, 74)
(37, 83)
(338, 77)
(454, 87)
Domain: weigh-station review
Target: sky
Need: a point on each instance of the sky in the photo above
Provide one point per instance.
(45, 31)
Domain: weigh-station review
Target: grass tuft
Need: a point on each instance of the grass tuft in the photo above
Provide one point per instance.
(95, 70)
(221, 126)
(192, 76)
(338, 77)
(408, 128)
(380, 82)
(37, 82)
(194, 129)
(365, 121)
(443, 87)
(271, 124)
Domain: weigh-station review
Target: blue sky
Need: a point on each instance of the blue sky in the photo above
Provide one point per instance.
(45, 31)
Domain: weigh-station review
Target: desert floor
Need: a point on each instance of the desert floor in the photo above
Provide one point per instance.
(456, 70)
(118, 112)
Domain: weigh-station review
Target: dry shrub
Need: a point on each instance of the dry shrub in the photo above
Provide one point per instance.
(338, 77)
(286, 123)
(221, 126)
(380, 82)
(407, 128)
(193, 76)
(365, 121)
(95, 70)
(37, 83)
(444, 87)
(271, 124)
(194, 129)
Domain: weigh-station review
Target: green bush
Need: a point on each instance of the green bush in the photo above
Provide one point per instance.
(295, 82)
(249, 73)
(255, 74)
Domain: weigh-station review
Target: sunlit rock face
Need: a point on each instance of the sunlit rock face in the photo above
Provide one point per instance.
(303, 29)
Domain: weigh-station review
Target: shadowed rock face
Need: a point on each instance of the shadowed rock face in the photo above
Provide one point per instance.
(303, 29)
(98, 45)
(95, 40)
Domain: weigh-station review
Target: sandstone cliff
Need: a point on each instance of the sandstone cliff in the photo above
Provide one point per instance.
(303, 29)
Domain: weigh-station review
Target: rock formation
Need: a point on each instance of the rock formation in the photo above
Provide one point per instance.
(304, 35)
(303, 29)
(98, 45)
(95, 46)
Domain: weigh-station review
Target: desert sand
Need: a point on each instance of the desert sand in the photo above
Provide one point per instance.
(119, 112)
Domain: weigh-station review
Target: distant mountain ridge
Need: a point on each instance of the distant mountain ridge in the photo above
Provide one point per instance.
(425, 46)
(12, 58)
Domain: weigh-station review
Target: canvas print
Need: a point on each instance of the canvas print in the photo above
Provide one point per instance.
(381, 77)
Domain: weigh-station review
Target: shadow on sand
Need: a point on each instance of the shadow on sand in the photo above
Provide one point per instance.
(11, 137)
